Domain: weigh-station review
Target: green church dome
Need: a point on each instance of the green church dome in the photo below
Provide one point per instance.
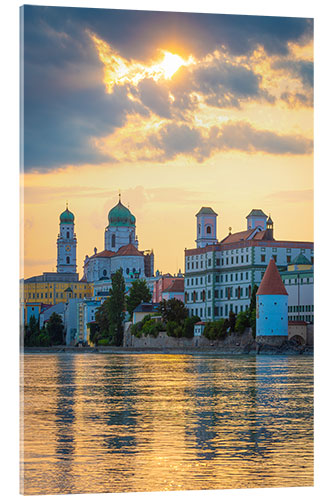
(66, 217)
(121, 216)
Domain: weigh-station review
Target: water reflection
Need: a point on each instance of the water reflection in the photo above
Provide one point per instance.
(153, 422)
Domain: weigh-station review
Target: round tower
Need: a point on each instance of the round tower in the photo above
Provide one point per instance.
(66, 243)
(206, 227)
(272, 308)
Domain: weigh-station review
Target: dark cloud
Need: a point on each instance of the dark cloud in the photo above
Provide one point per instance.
(137, 33)
(226, 85)
(173, 140)
(65, 104)
(155, 97)
(297, 99)
(301, 70)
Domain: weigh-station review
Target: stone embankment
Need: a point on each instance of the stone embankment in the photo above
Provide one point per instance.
(233, 344)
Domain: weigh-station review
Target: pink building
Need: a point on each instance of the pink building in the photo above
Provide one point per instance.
(175, 290)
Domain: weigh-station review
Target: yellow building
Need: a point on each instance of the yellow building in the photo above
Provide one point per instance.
(53, 288)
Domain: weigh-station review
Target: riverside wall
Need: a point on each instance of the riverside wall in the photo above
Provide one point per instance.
(163, 341)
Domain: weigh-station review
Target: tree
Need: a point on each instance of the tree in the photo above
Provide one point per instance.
(189, 326)
(31, 332)
(139, 292)
(173, 310)
(232, 321)
(253, 303)
(102, 320)
(116, 308)
(242, 321)
(55, 329)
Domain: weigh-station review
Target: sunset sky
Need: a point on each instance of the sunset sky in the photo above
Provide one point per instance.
(177, 111)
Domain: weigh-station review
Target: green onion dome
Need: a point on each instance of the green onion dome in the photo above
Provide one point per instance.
(121, 216)
(66, 217)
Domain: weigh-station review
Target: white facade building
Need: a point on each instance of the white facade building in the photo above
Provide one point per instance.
(221, 277)
(121, 251)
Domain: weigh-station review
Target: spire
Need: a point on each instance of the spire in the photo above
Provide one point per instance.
(119, 196)
(66, 205)
(272, 284)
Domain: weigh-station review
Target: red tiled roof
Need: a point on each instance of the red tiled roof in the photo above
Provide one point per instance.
(272, 283)
(176, 286)
(242, 235)
(104, 253)
(128, 250)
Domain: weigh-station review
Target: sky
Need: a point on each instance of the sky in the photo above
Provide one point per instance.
(175, 110)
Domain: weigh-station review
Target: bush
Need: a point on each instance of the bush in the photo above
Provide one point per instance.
(174, 329)
(216, 330)
(104, 341)
(242, 321)
(189, 326)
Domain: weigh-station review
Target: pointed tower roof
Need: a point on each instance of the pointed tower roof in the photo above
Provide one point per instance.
(272, 284)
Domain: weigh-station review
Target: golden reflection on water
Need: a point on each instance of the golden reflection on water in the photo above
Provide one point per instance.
(154, 422)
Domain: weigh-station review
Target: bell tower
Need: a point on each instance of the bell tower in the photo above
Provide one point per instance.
(66, 243)
(206, 227)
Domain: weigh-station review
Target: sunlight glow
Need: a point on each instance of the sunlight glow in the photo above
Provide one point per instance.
(120, 71)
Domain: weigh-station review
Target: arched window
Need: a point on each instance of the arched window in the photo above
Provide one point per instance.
(204, 295)
(209, 229)
(104, 272)
(131, 238)
(67, 235)
(199, 228)
(113, 240)
(67, 260)
(127, 271)
(194, 296)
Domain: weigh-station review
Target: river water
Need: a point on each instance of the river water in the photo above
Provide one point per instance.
(153, 422)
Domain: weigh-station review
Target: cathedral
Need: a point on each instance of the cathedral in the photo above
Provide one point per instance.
(120, 250)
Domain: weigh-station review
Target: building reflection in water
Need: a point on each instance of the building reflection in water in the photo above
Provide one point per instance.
(154, 422)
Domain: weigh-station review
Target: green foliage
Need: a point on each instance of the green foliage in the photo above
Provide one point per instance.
(117, 308)
(35, 337)
(103, 342)
(232, 321)
(139, 292)
(242, 321)
(95, 334)
(55, 329)
(102, 319)
(216, 330)
(110, 315)
(175, 329)
(253, 297)
(173, 310)
(189, 326)
(253, 322)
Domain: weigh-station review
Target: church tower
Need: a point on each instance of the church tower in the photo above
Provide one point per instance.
(206, 227)
(121, 228)
(66, 244)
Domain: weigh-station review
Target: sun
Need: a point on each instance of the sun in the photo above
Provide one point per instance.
(170, 64)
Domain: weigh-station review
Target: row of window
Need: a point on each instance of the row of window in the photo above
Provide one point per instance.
(305, 308)
(303, 317)
(227, 292)
(293, 281)
(222, 311)
(47, 295)
(219, 278)
(219, 262)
